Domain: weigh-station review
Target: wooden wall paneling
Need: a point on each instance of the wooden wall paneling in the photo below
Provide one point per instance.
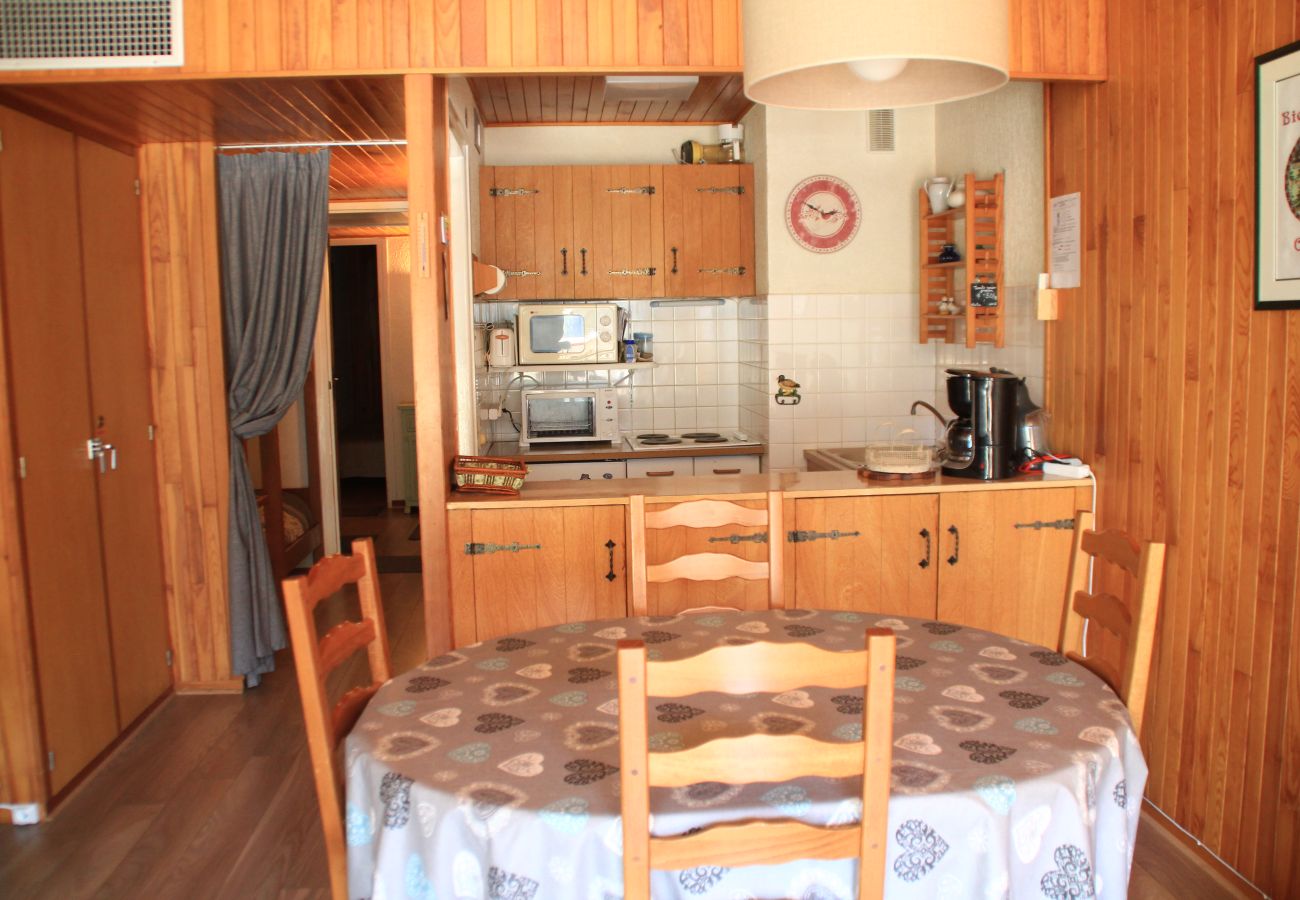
(182, 279)
(699, 31)
(1182, 397)
(431, 330)
(45, 320)
(122, 404)
(1058, 39)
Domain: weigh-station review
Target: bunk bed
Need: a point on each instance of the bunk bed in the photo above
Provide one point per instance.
(297, 510)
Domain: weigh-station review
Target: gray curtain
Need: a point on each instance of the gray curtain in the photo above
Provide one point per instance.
(274, 221)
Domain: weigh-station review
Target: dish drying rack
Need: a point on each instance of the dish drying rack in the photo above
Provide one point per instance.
(903, 455)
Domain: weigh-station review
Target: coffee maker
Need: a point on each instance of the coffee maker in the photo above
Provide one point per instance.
(982, 438)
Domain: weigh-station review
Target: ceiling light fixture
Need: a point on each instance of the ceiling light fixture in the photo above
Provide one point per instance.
(649, 87)
(873, 54)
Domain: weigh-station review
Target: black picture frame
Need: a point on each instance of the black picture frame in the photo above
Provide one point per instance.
(1273, 230)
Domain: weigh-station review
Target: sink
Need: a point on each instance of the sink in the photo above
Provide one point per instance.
(828, 459)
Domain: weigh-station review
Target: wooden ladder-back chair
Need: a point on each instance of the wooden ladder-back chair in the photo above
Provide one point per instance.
(1135, 626)
(706, 513)
(760, 667)
(315, 659)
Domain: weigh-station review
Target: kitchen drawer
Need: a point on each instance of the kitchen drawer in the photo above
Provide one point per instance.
(661, 467)
(578, 471)
(728, 465)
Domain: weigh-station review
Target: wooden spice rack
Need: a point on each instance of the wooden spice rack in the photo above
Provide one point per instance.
(982, 260)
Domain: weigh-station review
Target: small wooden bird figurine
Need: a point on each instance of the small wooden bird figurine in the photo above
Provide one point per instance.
(787, 387)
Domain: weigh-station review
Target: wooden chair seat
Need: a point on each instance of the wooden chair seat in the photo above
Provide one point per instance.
(1135, 626)
(769, 668)
(327, 725)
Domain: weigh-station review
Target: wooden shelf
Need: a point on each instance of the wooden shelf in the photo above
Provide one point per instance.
(575, 367)
(982, 256)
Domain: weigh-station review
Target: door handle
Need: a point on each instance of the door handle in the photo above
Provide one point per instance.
(564, 260)
(674, 260)
(583, 251)
(925, 536)
(956, 545)
(660, 474)
(610, 545)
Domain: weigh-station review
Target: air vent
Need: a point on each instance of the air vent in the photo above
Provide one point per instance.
(880, 130)
(90, 34)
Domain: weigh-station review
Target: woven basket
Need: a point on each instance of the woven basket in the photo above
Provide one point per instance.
(489, 474)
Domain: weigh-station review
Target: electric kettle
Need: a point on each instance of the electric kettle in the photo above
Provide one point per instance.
(501, 347)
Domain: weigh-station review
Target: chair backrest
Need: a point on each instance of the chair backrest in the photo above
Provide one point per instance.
(705, 513)
(760, 667)
(315, 659)
(1135, 625)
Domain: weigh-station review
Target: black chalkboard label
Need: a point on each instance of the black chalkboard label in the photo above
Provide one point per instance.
(983, 293)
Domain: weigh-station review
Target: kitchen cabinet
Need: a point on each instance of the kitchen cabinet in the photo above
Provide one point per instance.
(1061, 40)
(591, 470)
(516, 569)
(666, 544)
(627, 232)
(661, 467)
(709, 230)
(728, 465)
(995, 559)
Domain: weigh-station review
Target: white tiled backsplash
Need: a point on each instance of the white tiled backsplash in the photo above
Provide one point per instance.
(855, 357)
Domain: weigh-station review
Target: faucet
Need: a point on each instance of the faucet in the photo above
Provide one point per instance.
(942, 421)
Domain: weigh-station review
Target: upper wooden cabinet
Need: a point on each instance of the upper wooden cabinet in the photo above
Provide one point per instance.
(1058, 40)
(628, 232)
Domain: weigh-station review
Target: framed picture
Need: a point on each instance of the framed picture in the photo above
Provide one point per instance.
(1277, 178)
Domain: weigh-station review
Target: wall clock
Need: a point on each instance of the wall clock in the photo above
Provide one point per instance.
(823, 213)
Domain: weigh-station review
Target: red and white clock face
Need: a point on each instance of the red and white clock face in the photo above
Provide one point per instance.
(823, 213)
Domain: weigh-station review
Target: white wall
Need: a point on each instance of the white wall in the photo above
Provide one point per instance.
(1002, 132)
(590, 145)
(398, 372)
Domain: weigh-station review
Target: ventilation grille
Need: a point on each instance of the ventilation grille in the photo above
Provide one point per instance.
(90, 34)
(880, 130)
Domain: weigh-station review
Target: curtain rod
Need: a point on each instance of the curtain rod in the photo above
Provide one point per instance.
(377, 143)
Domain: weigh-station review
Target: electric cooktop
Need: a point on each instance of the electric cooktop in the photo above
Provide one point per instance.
(653, 439)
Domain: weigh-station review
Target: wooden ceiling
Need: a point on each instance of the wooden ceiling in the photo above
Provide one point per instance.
(570, 99)
(241, 111)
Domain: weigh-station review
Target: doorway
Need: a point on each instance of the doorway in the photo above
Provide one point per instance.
(357, 364)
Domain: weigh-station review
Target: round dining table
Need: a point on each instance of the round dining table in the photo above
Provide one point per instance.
(492, 770)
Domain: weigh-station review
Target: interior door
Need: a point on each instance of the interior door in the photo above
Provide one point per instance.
(1004, 560)
(866, 554)
(42, 298)
(122, 406)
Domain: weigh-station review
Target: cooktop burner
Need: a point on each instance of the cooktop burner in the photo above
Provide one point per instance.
(652, 436)
(703, 436)
(651, 439)
(658, 439)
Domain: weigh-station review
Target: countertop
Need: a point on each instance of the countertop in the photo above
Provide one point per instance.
(585, 452)
(792, 484)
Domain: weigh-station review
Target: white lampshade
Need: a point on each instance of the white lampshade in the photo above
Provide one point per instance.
(873, 54)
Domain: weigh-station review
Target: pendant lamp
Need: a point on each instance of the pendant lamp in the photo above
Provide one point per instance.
(873, 54)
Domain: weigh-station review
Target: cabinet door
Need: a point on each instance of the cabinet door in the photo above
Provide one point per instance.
(635, 204)
(1004, 560)
(122, 405)
(531, 568)
(522, 217)
(709, 230)
(665, 544)
(566, 275)
(45, 318)
(866, 554)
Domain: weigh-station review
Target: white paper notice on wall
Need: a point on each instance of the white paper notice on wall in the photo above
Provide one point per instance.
(1064, 238)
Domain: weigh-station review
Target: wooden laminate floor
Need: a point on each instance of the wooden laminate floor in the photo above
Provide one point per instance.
(213, 797)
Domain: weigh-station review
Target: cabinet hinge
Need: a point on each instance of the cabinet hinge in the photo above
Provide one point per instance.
(137, 187)
(168, 656)
(511, 192)
(479, 549)
(730, 189)
(1060, 524)
(152, 431)
(806, 537)
(724, 270)
(648, 189)
(760, 538)
(623, 273)
(22, 467)
(49, 760)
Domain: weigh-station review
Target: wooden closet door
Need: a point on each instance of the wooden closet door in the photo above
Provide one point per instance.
(122, 405)
(636, 230)
(42, 296)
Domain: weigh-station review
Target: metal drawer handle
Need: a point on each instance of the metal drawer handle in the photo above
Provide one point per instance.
(725, 270)
(477, 549)
(759, 538)
(956, 545)
(925, 535)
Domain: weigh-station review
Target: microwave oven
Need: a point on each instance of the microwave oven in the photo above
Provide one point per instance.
(576, 415)
(558, 333)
